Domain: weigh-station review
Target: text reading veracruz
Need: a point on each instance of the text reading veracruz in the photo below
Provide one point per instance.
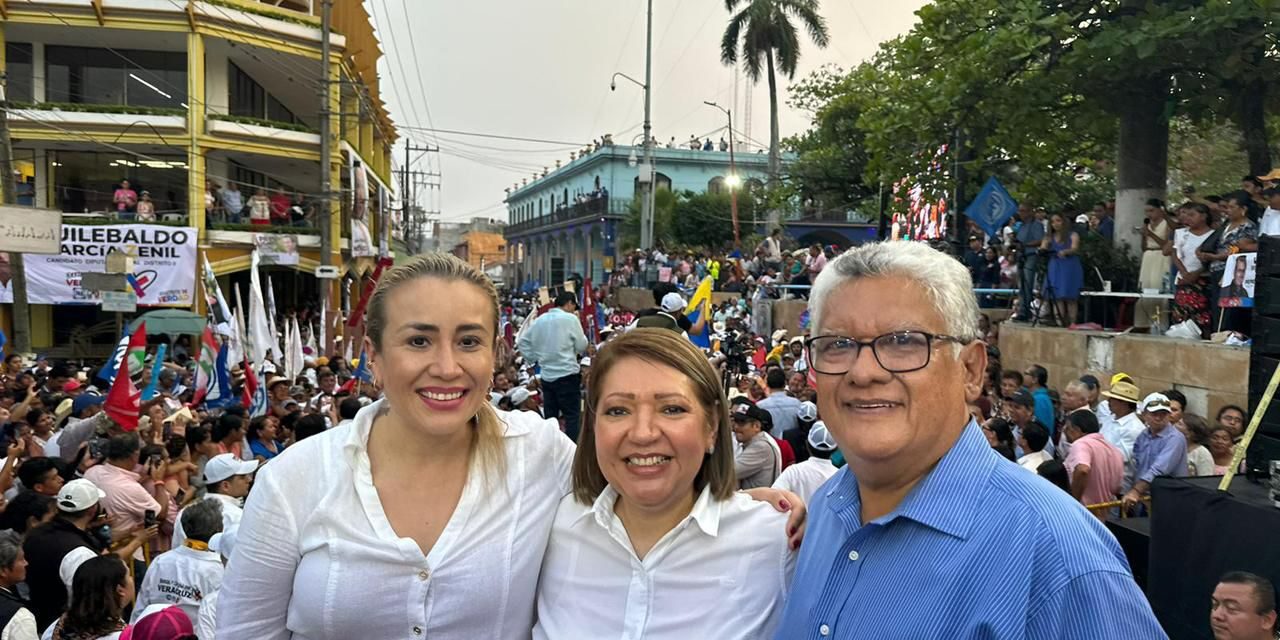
(142, 242)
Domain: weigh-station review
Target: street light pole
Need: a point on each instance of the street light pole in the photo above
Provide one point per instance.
(733, 180)
(646, 210)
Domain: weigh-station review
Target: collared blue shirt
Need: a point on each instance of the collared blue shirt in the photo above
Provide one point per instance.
(554, 341)
(1029, 235)
(1044, 410)
(784, 409)
(978, 549)
(1159, 455)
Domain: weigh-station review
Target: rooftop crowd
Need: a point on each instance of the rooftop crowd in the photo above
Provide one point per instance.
(509, 474)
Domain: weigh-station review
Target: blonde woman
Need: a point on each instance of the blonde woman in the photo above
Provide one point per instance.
(428, 516)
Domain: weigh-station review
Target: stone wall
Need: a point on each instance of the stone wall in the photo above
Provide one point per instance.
(1210, 375)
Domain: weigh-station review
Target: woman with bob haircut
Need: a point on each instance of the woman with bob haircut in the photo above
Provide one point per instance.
(655, 541)
(428, 515)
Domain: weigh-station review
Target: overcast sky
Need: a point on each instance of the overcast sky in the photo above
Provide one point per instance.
(541, 70)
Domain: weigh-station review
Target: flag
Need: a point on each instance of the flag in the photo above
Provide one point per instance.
(358, 314)
(293, 356)
(206, 360)
(3, 341)
(992, 208)
(262, 341)
(310, 347)
(136, 354)
(255, 394)
(271, 319)
(108, 373)
(590, 321)
(215, 301)
(698, 307)
(123, 400)
(361, 374)
(324, 329)
(156, 367)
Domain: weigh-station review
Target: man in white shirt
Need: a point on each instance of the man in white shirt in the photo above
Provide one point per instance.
(1269, 224)
(1123, 432)
(182, 576)
(1032, 439)
(804, 478)
(227, 481)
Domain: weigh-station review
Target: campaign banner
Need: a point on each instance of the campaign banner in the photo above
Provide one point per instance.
(277, 248)
(1238, 281)
(164, 264)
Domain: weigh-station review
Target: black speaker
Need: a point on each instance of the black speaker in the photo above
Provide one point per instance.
(1268, 256)
(1262, 450)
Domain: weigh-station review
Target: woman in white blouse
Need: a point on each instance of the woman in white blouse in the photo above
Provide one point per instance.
(654, 542)
(427, 516)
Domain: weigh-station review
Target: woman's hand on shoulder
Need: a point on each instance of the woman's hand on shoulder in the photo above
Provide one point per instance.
(785, 502)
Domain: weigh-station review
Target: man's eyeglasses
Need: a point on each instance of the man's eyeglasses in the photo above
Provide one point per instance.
(897, 352)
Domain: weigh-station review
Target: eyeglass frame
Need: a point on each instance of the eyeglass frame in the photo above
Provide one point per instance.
(931, 339)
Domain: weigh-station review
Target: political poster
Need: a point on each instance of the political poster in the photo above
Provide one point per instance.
(164, 265)
(361, 240)
(1238, 280)
(277, 248)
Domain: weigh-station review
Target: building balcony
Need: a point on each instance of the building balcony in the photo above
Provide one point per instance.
(605, 207)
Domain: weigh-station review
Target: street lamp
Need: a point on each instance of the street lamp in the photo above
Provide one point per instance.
(733, 180)
(646, 169)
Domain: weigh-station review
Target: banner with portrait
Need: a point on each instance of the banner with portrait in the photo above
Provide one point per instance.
(277, 248)
(164, 265)
(1238, 280)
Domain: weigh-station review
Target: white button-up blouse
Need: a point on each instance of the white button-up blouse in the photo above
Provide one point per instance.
(317, 558)
(723, 572)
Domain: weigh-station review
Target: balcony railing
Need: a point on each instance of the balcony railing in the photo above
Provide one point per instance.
(596, 207)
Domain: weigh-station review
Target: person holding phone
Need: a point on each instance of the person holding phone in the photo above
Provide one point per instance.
(129, 493)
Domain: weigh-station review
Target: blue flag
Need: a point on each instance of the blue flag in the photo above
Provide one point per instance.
(992, 208)
(150, 392)
(108, 372)
(362, 372)
(3, 341)
(218, 395)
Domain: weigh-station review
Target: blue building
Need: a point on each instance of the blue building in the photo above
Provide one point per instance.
(567, 220)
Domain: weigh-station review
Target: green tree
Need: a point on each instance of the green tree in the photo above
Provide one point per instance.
(703, 219)
(831, 157)
(664, 204)
(764, 36)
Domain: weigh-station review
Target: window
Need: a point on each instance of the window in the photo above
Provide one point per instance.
(716, 185)
(86, 180)
(84, 75)
(247, 98)
(17, 56)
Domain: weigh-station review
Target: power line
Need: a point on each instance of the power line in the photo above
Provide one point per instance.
(498, 137)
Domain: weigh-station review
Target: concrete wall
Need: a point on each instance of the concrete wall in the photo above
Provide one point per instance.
(1210, 375)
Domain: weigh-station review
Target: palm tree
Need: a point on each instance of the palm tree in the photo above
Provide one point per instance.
(769, 38)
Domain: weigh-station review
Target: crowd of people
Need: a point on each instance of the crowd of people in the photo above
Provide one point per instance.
(597, 479)
(1184, 252)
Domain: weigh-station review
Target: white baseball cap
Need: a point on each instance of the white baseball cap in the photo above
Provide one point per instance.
(808, 411)
(79, 495)
(672, 302)
(820, 438)
(1156, 402)
(226, 465)
(224, 542)
(520, 395)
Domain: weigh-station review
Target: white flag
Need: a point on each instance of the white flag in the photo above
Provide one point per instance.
(262, 341)
(294, 357)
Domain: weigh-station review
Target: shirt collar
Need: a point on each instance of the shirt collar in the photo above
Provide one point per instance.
(946, 499)
(705, 512)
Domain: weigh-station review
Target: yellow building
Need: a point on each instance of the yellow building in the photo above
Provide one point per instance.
(175, 94)
(482, 249)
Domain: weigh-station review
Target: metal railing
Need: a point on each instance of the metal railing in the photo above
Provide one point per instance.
(603, 206)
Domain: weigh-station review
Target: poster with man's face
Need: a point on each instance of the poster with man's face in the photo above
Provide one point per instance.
(1238, 281)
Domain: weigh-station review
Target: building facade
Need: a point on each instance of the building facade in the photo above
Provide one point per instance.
(178, 97)
(566, 221)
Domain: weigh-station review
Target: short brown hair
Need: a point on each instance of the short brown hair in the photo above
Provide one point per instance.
(658, 346)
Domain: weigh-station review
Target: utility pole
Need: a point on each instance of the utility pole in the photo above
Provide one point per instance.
(21, 314)
(325, 161)
(646, 181)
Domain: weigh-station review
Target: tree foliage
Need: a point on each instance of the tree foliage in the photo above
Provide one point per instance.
(1032, 90)
(689, 219)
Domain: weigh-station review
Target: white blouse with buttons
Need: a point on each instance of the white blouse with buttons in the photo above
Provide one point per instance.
(317, 558)
(723, 572)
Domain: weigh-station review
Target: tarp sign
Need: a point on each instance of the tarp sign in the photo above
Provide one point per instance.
(121, 301)
(27, 230)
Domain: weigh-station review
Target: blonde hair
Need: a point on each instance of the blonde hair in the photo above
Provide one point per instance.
(489, 450)
(665, 347)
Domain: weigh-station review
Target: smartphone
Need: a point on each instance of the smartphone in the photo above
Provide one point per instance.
(149, 518)
(155, 460)
(182, 493)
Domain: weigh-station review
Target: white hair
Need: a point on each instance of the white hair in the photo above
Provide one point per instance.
(944, 279)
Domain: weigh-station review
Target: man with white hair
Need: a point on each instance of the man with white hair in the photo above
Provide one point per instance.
(920, 519)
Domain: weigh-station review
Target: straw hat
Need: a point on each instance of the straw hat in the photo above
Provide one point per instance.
(1125, 391)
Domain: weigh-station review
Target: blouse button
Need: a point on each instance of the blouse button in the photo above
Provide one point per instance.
(417, 631)
(424, 574)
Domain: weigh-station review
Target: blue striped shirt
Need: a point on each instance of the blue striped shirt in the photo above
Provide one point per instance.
(978, 549)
